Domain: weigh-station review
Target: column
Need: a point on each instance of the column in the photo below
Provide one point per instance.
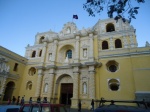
(91, 82)
(43, 52)
(91, 53)
(51, 85)
(76, 60)
(54, 52)
(111, 43)
(39, 83)
(76, 88)
(125, 42)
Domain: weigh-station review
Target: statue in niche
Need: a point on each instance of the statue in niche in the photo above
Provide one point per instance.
(66, 60)
(50, 56)
(84, 88)
(84, 52)
(46, 87)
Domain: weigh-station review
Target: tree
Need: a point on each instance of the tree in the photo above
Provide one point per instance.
(115, 8)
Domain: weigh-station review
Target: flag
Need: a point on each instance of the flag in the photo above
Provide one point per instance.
(75, 16)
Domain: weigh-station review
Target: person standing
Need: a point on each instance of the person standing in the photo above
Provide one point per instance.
(92, 104)
(22, 101)
(13, 100)
(79, 106)
(39, 99)
(18, 100)
(30, 100)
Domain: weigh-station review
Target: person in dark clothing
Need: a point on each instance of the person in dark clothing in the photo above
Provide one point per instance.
(92, 104)
(39, 99)
(18, 100)
(30, 100)
(45, 100)
(13, 100)
(22, 101)
(79, 106)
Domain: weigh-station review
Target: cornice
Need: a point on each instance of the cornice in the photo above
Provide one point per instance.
(126, 54)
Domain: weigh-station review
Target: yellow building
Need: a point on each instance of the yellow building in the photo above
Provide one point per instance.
(101, 61)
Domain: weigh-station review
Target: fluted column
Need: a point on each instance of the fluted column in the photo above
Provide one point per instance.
(76, 60)
(91, 53)
(54, 52)
(43, 52)
(51, 85)
(111, 43)
(75, 85)
(76, 88)
(91, 82)
(39, 82)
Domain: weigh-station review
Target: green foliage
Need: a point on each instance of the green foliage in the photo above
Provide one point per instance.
(114, 7)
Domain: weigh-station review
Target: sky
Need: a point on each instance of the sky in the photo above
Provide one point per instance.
(21, 20)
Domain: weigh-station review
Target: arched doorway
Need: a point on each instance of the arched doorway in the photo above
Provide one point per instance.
(9, 90)
(66, 93)
(66, 89)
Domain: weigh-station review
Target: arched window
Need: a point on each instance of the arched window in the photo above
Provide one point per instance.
(68, 30)
(110, 27)
(32, 71)
(69, 54)
(113, 84)
(33, 54)
(118, 43)
(41, 39)
(104, 45)
(40, 54)
(29, 85)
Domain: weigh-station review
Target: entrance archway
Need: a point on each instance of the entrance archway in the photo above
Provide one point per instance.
(65, 83)
(9, 90)
(66, 93)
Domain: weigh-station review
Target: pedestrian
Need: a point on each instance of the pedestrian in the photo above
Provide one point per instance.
(13, 100)
(45, 100)
(92, 104)
(30, 100)
(9, 101)
(39, 99)
(79, 106)
(22, 101)
(18, 100)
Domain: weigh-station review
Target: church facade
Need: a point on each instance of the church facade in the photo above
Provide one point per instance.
(101, 61)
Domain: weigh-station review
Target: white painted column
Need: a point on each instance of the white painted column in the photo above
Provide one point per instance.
(91, 82)
(91, 50)
(43, 52)
(39, 83)
(51, 83)
(76, 60)
(54, 52)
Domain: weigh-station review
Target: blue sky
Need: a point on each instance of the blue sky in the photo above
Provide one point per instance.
(20, 20)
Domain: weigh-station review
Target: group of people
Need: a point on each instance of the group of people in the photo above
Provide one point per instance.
(17, 101)
(79, 105)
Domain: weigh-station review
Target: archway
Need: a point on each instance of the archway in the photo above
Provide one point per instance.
(66, 89)
(9, 90)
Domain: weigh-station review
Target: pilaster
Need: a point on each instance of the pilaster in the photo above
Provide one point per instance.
(91, 53)
(92, 82)
(39, 82)
(54, 52)
(76, 60)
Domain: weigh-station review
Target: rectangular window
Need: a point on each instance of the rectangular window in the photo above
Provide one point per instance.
(16, 67)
